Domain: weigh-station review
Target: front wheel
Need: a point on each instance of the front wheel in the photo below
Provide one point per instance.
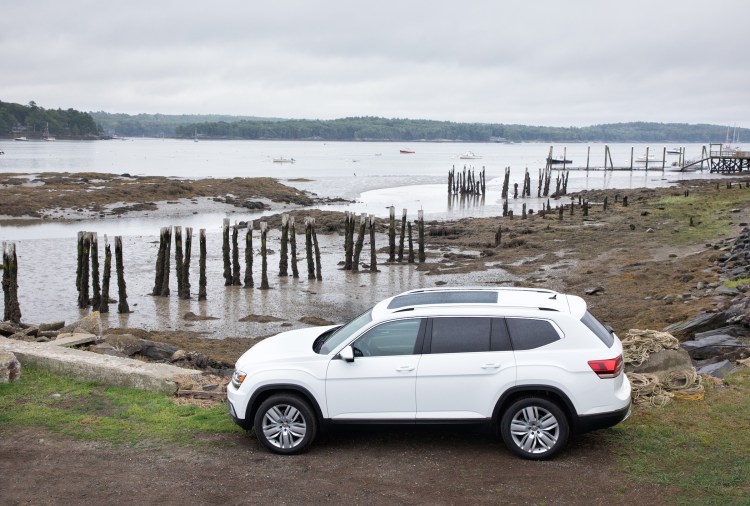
(285, 424)
(534, 428)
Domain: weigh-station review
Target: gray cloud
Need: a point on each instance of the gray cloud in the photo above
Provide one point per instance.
(542, 62)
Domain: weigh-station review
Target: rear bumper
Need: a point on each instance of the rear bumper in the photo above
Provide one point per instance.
(601, 420)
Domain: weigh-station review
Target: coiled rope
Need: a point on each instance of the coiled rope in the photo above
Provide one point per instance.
(648, 389)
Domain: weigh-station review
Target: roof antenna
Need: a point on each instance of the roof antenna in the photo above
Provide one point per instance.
(554, 297)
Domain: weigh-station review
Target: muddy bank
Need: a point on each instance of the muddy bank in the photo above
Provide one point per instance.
(643, 265)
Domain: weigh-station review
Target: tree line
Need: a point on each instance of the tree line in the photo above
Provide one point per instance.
(33, 121)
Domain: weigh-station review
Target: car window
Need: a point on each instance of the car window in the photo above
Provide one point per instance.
(390, 338)
(345, 332)
(460, 335)
(527, 333)
(598, 328)
(500, 340)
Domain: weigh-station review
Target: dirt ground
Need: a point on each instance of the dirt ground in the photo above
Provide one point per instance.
(637, 276)
(358, 465)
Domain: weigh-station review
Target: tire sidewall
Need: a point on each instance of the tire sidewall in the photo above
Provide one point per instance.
(554, 409)
(302, 406)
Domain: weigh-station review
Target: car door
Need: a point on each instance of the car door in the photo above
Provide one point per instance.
(380, 382)
(467, 362)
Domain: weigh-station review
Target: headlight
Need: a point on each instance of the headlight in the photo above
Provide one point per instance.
(238, 377)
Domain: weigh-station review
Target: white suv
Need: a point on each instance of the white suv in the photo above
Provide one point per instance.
(533, 362)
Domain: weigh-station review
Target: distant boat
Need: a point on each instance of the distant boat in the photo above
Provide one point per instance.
(555, 161)
(650, 159)
(281, 159)
(469, 155)
(674, 151)
(406, 152)
(20, 139)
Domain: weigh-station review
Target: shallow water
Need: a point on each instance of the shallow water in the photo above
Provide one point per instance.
(375, 174)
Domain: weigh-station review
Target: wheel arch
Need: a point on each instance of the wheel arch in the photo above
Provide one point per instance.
(267, 391)
(550, 393)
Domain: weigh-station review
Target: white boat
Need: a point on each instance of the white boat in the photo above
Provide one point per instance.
(46, 136)
(650, 159)
(674, 151)
(469, 155)
(20, 139)
(281, 159)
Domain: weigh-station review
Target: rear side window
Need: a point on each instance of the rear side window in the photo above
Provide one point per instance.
(460, 335)
(527, 334)
(599, 329)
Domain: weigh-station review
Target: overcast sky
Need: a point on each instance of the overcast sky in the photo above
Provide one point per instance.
(555, 63)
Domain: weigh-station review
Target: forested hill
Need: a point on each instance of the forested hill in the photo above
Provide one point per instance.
(32, 121)
(159, 125)
(382, 129)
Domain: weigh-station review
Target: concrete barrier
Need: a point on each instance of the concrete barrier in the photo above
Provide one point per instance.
(84, 365)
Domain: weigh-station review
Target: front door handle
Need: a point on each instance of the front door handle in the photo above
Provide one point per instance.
(490, 366)
(405, 368)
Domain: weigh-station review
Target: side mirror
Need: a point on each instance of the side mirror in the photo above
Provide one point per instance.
(347, 354)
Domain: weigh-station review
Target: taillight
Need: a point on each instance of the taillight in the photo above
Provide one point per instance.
(610, 368)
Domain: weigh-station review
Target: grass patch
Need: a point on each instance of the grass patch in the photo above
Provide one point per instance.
(737, 282)
(91, 411)
(699, 448)
(711, 212)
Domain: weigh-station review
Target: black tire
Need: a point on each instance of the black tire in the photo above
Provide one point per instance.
(534, 428)
(285, 424)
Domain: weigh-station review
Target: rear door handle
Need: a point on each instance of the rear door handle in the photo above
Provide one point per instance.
(491, 366)
(405, 368)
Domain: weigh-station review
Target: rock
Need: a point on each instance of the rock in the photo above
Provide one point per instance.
(126, 344)
(663, 362)
(179, 355)
(46, 327)
(725, 290)
(192, 317)
(716, 369)
(10, 367)
(72, 339)
(702, 322)
(314, 320)
(90, 324)
(710, 340)
(157, 351)
(107, 349)
(260, 318)
(594, 291)
(8, 329)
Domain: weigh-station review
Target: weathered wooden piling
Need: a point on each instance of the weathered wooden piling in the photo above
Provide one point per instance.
(122, 296)
(202, 264)
(515, 190)
(283, 250)
(316, 248)
(12, 309)
(167, 254)
(523, 211)
(178, 258)
(392, 234)
(411, 244)
(309, 249)
(106, 276)
(373, 254)
(498, 236)
(605, 203)
(585, 208)
(79, 263)
(249, 283)
(625, 201)
(561, 212)
(186, 263)
(225, 253)
(348, 240)
(401, 237)
(83, 294)
(95, 286)
(293, 246)
(159, 268)
(235, 257)
(420, 229)
(506, 183)
(360, 241)
(263, 256)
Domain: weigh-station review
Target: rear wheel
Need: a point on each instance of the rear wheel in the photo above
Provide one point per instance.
(534, 428)
(285, 424)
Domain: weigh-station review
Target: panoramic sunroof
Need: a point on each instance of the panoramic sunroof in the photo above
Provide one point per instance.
(419, 299)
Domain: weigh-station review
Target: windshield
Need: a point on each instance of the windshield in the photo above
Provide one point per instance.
(345, 332)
